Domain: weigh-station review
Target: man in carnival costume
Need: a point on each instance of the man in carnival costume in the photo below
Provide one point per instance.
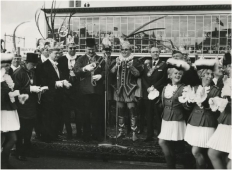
(126, 70)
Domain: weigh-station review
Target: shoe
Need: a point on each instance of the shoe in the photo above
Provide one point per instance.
(32, 155)
(148, 140)
(21, 158)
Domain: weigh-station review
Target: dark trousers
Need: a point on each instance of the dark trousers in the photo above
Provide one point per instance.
(39, 123)
(23, 144)
(153, 109)
(92, 116)
(66, 119)
(52, 120)
(141, 115)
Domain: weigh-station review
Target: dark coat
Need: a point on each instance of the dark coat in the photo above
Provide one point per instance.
(205, 117)
(225, 117)
(158, 78)
(173, 109)
(38, 72)
(85, 77)
(126, 80)
(22, 79)
(72, 94)
(5, 99)
(49, 78)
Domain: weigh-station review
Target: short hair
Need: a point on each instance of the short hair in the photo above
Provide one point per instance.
(154, 47)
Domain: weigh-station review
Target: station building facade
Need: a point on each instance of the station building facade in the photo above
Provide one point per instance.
(200, 29)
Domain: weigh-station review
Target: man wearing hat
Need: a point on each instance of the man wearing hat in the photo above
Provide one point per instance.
(15, 64)
(194, 80)
(25, 81)
(91, 71)
(154, 75)
(52, 99)
(71, 96)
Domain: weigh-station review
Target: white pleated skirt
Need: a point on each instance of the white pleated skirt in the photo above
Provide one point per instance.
(172, 130)
(198, 136)
(221, 139)
(9, 121)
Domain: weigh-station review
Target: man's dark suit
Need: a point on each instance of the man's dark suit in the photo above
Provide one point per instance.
(219, 84)
(158, 79)
(71, 97)
(92, 97)
(51, 101)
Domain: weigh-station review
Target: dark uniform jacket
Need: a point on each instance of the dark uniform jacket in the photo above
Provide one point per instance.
(158, 78)
(72, 94)
(23, 79)
(5, 99)
(49, 78)
(219, 84)
(125, 80)
(85, 77)
(225, 117)
(173, 109)
(205, 117)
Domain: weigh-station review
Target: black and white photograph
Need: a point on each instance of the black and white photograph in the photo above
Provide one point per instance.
(116, 84)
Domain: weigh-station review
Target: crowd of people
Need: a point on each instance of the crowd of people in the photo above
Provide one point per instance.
(185, 101)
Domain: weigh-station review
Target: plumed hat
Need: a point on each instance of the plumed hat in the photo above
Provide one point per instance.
(176, 52)
(32, 57)
(90, 42)
(205, 64)
(178, 64)
(106, 44)
(6, 58)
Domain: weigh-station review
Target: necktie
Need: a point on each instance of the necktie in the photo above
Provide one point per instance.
(57, 71)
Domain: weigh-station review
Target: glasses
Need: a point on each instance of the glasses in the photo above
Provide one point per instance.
(124, 49)
(72, 48)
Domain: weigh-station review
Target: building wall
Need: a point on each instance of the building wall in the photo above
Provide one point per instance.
(202, 33)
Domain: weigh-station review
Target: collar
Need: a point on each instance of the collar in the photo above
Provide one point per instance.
(43, 58)
(121, 58)
(155, 61)
(14, 68)
(53, 62)
(69, 57)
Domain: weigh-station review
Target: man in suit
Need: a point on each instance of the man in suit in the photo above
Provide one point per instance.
(154, 74)
(91, 73)
(71, 96)
(51, 100)
(43, 52)
(25, 81)
(15, 63)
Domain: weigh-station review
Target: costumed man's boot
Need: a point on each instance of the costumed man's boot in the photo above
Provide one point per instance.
(121, 123)
(133, 123)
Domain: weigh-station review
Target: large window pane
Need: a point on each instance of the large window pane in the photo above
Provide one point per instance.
(215, 26)
(82, 27)
(168, 26)
(191, 23)
(176, 22)
(183, 27)
(102, 27)
(207, 23)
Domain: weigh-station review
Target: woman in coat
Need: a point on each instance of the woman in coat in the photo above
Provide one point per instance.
(173, 118)
(220, 142)
(202, 121)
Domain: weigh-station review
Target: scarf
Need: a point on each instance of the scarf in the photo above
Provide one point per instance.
(71, 60)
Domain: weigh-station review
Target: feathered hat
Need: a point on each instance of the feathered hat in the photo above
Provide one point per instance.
(205, 64)
(178, 64)
(106, 44)
(6, 58)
